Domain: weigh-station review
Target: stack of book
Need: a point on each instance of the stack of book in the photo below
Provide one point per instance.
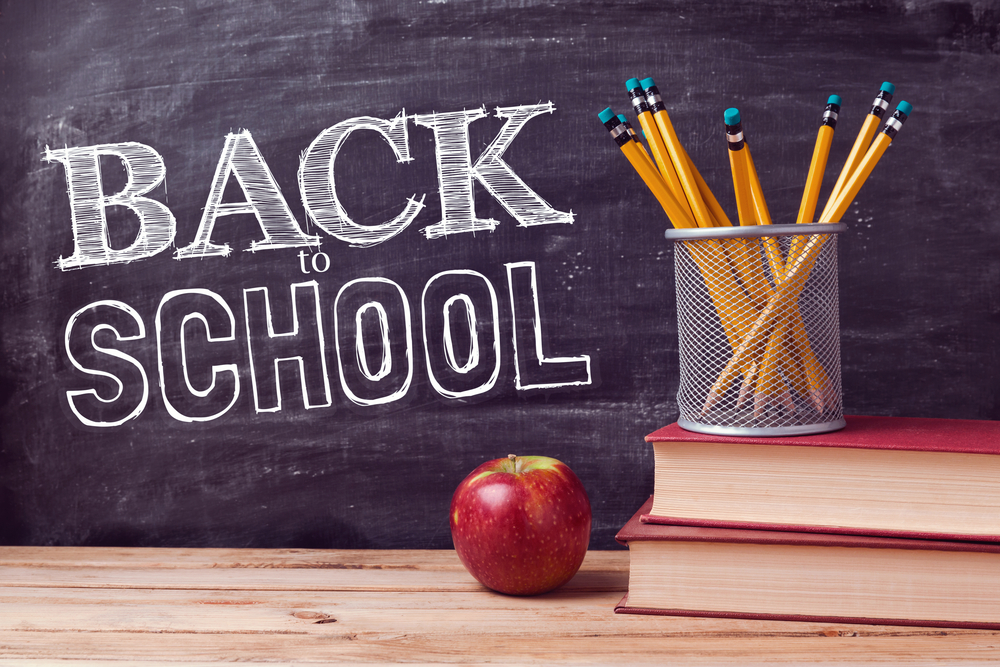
(889, 521)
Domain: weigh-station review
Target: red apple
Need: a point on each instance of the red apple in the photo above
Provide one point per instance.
(521, 525)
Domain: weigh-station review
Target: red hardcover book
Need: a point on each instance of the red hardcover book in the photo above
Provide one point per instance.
(893, 476)
(695, 571)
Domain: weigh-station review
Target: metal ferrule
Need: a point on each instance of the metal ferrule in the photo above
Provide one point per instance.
(654, 100)
(620, 134)
(881, 103)
(734, 135)
(631, 131)
(893, 125)
(638, 101)
(831, 115)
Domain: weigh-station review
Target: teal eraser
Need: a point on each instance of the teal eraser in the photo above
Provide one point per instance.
(904, 107)
(888, 87)
(622, 118)
(632, 84)
(606, 115)
(834, 99)
(732, 116)
(647, 83)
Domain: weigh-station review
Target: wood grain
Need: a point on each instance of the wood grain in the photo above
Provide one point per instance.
(132, 606)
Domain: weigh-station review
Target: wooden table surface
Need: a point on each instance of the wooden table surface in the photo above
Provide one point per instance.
(203, 606)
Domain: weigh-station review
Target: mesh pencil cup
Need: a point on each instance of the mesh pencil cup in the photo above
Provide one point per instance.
(758, 329)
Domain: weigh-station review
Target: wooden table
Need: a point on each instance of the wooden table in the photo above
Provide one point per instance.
(199, 606)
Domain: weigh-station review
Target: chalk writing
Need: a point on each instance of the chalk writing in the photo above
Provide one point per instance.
(197, 338)
(242, 159)
(144, 170)
(468, 378)
(200, 351)
(318, 188)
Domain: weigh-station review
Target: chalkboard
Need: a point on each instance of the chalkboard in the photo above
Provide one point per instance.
(204, 206)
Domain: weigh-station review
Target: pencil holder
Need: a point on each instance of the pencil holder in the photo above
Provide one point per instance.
(758, 329)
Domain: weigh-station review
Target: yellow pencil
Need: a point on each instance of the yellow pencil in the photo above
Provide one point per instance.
(739, 168)
(635, 138)
(868, 130)
(745, 252)
(821, 151)
(719, 217)
(751, 210)
(871, 158)
(673, 144)
(655, 141)
(741, 254)
(771, 246)
(678, 217)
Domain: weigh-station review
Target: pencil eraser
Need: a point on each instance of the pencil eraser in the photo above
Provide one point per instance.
(632, 84)
(834, 99)
(647, 82)
(622, 118)
(904, 107)
(888, 87)
(732, 116)
(606, 115)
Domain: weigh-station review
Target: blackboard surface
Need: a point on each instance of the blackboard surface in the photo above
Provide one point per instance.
(212, 104)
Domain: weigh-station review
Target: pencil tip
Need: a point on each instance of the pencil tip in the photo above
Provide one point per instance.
(744, 393)
(710, 401)
(816, 398)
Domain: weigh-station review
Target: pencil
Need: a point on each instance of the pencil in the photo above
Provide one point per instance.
(871, 158)
(719, 217)
(738, 166)
(674, 148)
(821, 151)
(803, 360)
(635, 138)
(750, 204)
(655, 141)
(771, 246)
(868, 130)
(743, 252)
(678, 217)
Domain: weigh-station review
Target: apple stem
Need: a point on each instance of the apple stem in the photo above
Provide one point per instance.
(516, 461)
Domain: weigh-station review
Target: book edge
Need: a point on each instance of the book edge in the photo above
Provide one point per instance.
(623, 608)
(861, 427)
(637, 531)
(659, 520)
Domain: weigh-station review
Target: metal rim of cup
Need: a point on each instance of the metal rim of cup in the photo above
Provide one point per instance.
(762, 431)
(754, 231)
